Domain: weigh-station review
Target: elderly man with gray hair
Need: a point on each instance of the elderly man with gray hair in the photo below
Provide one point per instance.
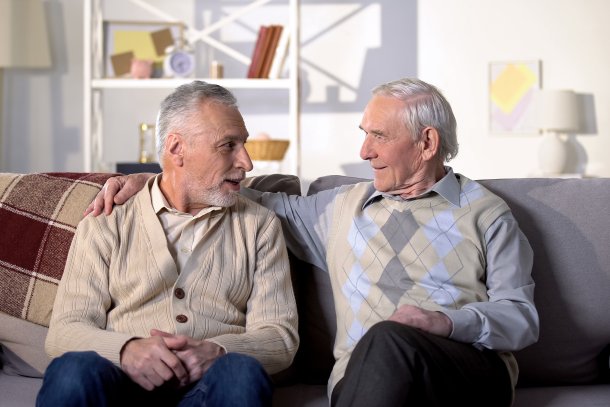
(183, 295)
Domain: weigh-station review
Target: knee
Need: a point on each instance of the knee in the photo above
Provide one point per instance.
(68, 378)
(236, 366)
(386, 335)
(236, 380)
(386, 330)
(75, 364)
(384, 327)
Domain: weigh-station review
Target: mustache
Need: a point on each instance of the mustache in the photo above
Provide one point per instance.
(236, 177)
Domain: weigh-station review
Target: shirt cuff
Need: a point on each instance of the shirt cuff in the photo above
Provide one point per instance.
(466, 325)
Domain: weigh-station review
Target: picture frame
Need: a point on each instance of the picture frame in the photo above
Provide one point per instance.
(512, 88)
(125, 41)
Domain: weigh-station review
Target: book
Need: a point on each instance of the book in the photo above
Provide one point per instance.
(279, 57)
(276, 32)
(257, 53)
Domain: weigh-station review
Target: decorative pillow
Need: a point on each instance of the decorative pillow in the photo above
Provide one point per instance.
(38, 217)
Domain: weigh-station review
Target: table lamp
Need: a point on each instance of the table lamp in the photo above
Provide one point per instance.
(24, 41)
(557, 114)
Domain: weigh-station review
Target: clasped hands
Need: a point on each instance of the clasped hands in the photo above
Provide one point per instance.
(163, 357)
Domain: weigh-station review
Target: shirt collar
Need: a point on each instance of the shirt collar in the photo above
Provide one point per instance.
(160, 204)
(448, 187)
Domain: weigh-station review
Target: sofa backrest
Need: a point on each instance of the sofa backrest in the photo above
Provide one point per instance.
(566, 221)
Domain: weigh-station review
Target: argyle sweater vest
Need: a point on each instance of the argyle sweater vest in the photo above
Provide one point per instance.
(425, 252)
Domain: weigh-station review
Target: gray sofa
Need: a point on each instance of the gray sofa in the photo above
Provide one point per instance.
(566, 221)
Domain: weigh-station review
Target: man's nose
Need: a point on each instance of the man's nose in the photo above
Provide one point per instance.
(366, 151)
(243, 160)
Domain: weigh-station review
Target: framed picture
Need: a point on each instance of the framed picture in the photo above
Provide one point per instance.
(126, 41)
(512, 86)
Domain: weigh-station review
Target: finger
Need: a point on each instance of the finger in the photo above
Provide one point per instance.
(158, 332)
(144, 382)
(123, 195)
(89, 209)
(175, 368)
(129, 186)
(94, 206)
(173, 342)
(176, 342)
(110, 189)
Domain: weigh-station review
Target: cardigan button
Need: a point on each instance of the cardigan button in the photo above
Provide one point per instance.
(182, 318)
(179, 293)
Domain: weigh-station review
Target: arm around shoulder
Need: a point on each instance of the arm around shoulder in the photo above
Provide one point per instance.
(117, 190)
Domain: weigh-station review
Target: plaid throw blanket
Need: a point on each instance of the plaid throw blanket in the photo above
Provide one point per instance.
(38, 218)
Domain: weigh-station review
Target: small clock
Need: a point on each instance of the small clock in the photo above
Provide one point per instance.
(179, 62)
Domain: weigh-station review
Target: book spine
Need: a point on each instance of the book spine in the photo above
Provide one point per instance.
(276, 32)
(279, 58)
(257, 53)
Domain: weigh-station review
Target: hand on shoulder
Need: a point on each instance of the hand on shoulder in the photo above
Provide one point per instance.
(116, 190)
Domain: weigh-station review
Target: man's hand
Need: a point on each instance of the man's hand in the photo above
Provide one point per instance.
(433, 322)
(150, 362)
(116, 190)
(197, 356)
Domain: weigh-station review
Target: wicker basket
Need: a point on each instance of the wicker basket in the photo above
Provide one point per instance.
(267, 150)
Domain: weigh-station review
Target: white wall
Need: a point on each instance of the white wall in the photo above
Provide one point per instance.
(458, 39)
(347, 48)
(42, 111)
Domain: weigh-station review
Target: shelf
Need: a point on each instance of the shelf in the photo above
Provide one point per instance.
(96, 85)
(172, 83)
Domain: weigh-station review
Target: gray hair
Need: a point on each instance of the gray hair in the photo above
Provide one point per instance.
(178, 107)
(425, 107)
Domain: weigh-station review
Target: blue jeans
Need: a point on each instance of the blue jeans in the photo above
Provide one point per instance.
(87, 379)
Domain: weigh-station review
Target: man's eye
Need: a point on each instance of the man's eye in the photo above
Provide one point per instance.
(229, 146)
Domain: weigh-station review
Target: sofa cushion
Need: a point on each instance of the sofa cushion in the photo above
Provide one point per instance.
(38, 217)
(22, 347)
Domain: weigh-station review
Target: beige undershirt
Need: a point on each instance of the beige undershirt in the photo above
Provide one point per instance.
(182, 230)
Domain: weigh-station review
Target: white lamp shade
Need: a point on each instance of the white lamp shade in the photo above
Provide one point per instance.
(558, 110)
(24, 40)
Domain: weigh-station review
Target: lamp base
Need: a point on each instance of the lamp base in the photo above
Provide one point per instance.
(552, 154)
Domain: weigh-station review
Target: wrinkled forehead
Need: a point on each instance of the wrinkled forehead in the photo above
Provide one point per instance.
(383, 112)
(220, 118)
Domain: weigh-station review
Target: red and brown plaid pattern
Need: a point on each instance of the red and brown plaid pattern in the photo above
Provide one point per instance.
(38, 218)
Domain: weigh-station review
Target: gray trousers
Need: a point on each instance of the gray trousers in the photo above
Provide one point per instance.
(397, 365)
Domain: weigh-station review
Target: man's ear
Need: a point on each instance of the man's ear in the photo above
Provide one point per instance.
(174, 148)
(430, 143)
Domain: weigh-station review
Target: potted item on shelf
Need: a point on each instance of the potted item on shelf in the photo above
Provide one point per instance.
(141, 68)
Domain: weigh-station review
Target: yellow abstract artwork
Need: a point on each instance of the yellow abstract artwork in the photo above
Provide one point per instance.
(142, 40)
(139, 42)
(511, 89)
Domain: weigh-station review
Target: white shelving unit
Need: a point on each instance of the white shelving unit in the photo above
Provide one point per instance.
(95, 83)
